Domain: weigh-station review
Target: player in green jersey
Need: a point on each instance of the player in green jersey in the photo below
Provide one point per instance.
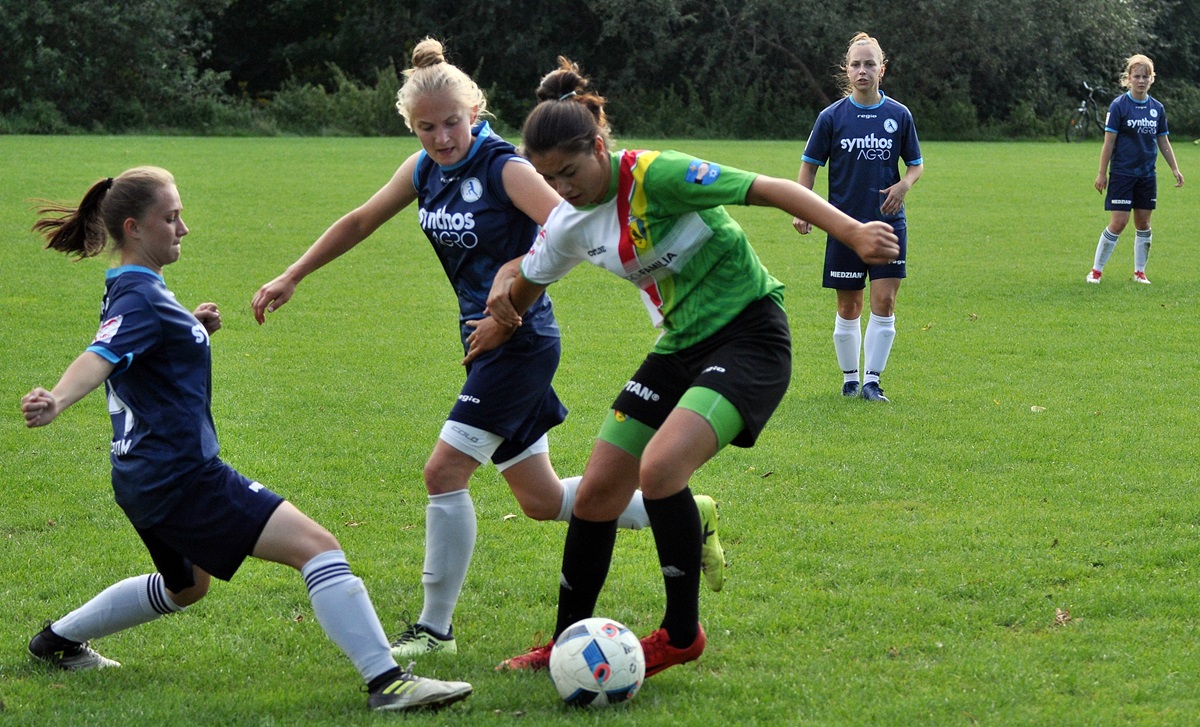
(719, 369)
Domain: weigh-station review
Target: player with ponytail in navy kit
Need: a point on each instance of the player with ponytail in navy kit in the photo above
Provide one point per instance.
(1135, 130)
(863, 137)
(480, 205)
(197, 516)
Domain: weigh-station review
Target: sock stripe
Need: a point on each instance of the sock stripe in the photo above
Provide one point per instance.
(322, 575)
(156, 595)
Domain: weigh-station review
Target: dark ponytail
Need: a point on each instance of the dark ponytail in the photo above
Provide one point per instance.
(84, 231)
(569, 117)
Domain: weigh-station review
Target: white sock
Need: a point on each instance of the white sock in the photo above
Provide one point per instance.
(1141, 250)
(130, 602)
(847, 339)
(450, 530)
(1104, 249)
(343, 608)
(633, 518)
(877, 345)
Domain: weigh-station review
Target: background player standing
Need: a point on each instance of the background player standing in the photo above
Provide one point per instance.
(863, 137)
(1135, 130)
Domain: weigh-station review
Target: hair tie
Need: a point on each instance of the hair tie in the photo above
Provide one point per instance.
(108, 183)
(566, 95)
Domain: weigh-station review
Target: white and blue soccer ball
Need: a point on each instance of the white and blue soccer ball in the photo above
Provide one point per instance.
(597, 662)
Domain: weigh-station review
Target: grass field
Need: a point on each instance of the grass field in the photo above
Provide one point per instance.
(1013, 540)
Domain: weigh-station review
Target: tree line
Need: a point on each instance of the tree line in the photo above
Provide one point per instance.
(718, 68)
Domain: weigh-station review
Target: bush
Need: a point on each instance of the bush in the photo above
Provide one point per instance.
(1183, 107)
(36, 117)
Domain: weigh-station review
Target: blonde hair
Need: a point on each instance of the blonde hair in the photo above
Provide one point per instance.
(858, 39)
(432, 74)
(84, 230)
(1137, 59)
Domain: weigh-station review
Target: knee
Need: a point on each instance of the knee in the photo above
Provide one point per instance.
(442, 476)
(193, 593)
(850, 310)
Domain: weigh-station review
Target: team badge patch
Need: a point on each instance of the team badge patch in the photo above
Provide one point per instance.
(702, 173)
(108, 329)
(890, 126)
(471, 189)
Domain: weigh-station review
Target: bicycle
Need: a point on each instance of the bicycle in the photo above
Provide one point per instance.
(1086, 116)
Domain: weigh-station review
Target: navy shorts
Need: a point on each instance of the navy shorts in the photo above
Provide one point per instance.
(1127, 193)
(508, 393)
(215, 525)
(749, 362)
(845, 270)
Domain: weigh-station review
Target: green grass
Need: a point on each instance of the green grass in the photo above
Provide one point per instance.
(897, 564)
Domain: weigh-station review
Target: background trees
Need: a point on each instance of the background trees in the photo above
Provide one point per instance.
(746, 68)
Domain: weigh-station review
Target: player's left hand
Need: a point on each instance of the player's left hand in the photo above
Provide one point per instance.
(488, 335)
(209, 317)
(1178, 178)
(895, 197)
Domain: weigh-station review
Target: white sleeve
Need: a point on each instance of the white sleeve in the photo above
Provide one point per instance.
(556, 250)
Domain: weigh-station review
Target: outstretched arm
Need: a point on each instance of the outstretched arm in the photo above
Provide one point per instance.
(874, 242)
(85, 373)
(351, 229)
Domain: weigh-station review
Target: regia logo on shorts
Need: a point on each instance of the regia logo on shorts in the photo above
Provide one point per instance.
(468, 399)
(714, 369)
(868, 147)
(640, 391)
(845, 274)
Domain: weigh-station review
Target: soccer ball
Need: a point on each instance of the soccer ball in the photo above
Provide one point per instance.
(597, 662)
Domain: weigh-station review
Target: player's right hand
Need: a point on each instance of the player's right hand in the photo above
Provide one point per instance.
(271, 296)
(802, 226)
(876, 243)
(39, 407)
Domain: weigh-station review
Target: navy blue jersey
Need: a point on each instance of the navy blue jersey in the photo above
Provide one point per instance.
(1137, 124)
(863, 146)
(475, 228)
(159, 394)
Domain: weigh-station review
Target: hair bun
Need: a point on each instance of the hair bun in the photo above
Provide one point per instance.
(429, 52)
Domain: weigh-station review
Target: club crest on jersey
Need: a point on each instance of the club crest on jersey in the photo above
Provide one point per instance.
(471, 189)
(637, 232)
(108, 329)
(703, 173)
(890, 126)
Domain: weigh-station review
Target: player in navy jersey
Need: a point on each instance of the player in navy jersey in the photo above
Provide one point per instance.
(863, 137)
(1135, 130)
(480, 205)
(197, 516)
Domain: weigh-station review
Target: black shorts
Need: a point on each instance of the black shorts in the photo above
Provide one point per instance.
(845, 270)
(1127, 193)
(215, 525)
(749, 362)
